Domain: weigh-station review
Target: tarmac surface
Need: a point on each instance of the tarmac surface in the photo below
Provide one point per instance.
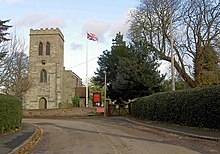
(14, 141)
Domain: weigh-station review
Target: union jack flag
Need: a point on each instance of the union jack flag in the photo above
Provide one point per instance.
(92, 37)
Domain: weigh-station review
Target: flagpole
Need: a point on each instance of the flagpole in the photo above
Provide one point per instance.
(92, 37)
(87, 103)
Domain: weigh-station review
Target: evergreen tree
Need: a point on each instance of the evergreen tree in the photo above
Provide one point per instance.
(131, 71)
(109, 61)
(3, 33)
(210, 68)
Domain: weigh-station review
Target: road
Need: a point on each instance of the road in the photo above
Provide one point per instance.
(111, 136)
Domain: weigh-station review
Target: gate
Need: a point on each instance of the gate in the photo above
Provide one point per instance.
(118, 109)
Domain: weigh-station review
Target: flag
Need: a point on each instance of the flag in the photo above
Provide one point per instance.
(91, 36)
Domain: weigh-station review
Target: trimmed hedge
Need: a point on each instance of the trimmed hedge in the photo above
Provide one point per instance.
(10, 113)
(194, 107)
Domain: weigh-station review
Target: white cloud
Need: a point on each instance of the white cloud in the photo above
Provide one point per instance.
(121, 26)
(99, 28)
(38, 20)
(30, 20)
(76, 46)
(108, 29)
(55, 22)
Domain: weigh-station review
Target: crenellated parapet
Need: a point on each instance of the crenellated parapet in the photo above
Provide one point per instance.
(51, 85)
(47, 31)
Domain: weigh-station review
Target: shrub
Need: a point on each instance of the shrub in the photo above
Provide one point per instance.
(10, 113)
(75, 101)
(194, 107)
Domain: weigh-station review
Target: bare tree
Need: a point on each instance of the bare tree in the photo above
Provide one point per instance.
(196, 34)
(14, 68)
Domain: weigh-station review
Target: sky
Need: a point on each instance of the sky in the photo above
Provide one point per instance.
(74, 18)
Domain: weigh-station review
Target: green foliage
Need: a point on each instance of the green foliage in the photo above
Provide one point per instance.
(76, 101)
(3, 29)
(131, 70)
(3, 33)
(180, 84)
(194, 107)
(96, 89)
(108, 62)
(210, 70)
(10, 113)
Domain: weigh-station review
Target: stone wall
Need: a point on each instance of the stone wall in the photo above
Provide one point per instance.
(70, 82)
(51, 89)
(73, 112)
(60, 84)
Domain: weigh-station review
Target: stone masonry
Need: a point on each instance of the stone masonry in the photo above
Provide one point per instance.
(51, 84)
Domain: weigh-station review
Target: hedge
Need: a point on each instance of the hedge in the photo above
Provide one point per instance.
(10, 113)
(194, 107)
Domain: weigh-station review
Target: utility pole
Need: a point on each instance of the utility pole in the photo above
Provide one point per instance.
(105, 96)
(171, 46)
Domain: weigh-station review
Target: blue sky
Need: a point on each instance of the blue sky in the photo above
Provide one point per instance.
(74, 18)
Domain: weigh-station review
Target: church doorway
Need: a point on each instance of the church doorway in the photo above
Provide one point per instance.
(42, 103)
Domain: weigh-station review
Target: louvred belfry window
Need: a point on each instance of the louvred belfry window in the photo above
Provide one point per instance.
(40, 48)
(48, 48)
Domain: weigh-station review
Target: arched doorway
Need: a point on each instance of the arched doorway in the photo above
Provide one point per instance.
(42, 103)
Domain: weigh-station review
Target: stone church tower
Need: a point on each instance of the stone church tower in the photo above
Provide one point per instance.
(46, 71)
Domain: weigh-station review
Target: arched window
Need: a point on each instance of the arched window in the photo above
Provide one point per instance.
(48, 48)
(40, 48)
(43, 76)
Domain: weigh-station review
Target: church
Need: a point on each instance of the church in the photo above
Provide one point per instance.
(51, 86)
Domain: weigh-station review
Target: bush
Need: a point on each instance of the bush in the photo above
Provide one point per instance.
(194, 107)
(75, 101)
(10, 113)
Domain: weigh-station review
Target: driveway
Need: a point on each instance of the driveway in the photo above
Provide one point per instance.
(111, 136)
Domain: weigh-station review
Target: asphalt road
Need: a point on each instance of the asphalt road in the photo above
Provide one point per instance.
(112, 136)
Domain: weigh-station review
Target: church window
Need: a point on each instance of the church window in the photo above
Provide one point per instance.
(48, 48)
(40, 48)
(43, 76)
